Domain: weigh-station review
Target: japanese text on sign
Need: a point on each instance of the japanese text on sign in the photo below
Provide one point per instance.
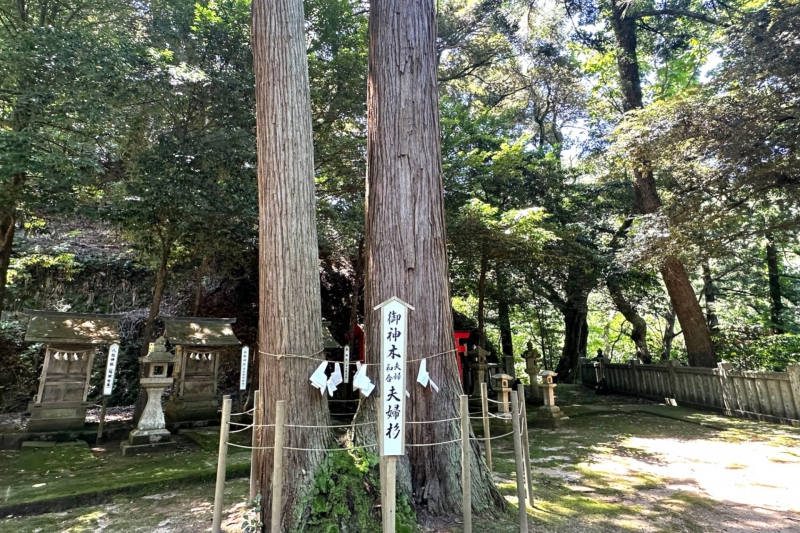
(393, 358)
(245, 362)
(111, 368)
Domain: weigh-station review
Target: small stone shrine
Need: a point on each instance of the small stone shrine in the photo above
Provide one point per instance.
(198, 343)
(71, 341)
(151, 433)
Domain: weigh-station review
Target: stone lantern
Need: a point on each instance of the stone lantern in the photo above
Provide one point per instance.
(531, 356)
(503, 386)
(479, 366)
(548, 415)
(151, 433)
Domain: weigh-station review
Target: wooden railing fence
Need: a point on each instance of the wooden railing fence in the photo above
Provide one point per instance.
(767, 396)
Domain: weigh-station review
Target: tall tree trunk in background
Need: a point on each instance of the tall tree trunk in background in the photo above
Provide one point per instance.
(639, 330)
(710, 293)
(669, 335)
(576, 335)
(198, 290)
(676, 279)
(504, 321)
(358, 282)
(290, 311)
(158, 294)
(774, 278)
(406, 249)
(8, 226)
(482, 301)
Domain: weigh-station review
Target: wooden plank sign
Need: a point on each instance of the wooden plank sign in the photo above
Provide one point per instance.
(111, 369)
(245, 363)
(346, 364)
(394, 320)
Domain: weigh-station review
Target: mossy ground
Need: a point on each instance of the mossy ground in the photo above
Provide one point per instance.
(616, 465)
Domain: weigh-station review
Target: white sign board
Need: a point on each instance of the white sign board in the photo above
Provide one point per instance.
(346, 364)
(394, 319)
(111, 368)
(245, 362)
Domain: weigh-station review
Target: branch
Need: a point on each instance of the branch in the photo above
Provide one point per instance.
(679, 13)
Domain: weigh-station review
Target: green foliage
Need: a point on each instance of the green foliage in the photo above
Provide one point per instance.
(20, 363)
(251, 520)
(344, 497)
(769, 352)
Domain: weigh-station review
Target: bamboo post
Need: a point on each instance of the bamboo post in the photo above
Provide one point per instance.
(254, 443)
(523, 514)
(222, 461)
(487, 443)
(102, 425)
(277, 467)
(526, 443)
(466, 473)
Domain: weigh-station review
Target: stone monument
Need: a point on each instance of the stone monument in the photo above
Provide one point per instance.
(151, 433)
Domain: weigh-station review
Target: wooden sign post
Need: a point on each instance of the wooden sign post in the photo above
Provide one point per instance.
(245, 363)
(394, 321)
(108, 385)
(347, 364)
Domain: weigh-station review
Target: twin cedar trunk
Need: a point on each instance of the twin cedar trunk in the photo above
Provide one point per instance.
(405, 246)
(290, 309)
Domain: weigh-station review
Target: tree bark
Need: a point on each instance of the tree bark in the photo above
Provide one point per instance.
(639, 325)
(406, 249)
(676, 279)
(158, 294)
(774, 278)
(576, 335)
(482, 300)
(710, 294)
(198, 290)
(669, 335)
(290, 320)
(8, 225)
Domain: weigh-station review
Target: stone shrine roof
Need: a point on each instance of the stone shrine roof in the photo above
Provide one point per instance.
(199, 331)
(53, 327)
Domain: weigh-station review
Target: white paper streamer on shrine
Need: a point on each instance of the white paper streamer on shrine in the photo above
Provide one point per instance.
(361, 381)
(336, 379)
(243, 372)
(111, 369)
(424, 378)
(319, 379)
(394, 320)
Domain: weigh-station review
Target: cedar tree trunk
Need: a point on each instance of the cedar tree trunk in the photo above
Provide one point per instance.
(676, 279)
(774, 275)
(7, 229)
(576, 335)
(405, 250)
(290, 314)
(639, 325)
(710, 293)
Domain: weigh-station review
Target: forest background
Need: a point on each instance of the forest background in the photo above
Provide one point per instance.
(618, 175)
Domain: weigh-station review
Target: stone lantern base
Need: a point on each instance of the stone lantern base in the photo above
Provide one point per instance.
(548, 417)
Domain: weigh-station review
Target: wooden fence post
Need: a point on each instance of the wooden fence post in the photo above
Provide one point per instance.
(277, 466)
(466, 473)
(102, 424)
(487, 443)
(254, 455)
(523, 513)
(222, 461)
(526, 443)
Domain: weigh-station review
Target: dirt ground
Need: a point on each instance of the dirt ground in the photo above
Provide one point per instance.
(615, 466)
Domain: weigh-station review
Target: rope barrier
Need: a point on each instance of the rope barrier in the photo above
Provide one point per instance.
(492, 438)
(430, 356)
(344, 426)
(494, 401)
(251, 447)
(240, 430)
(244, 412)
(432, 421)
(329, 449)
(432, 443)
